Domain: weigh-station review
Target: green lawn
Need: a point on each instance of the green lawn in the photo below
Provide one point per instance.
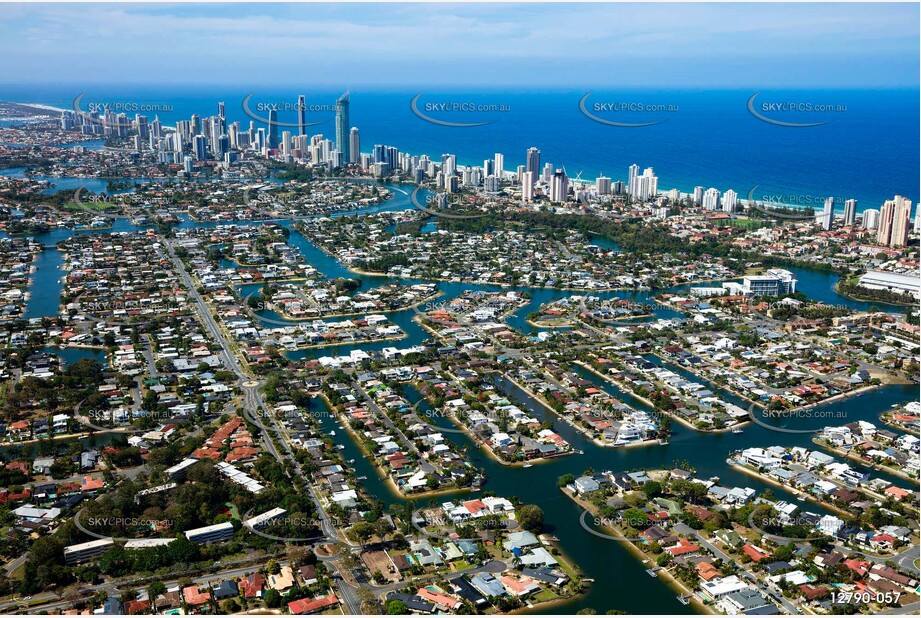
(544, 595)
(97, 206)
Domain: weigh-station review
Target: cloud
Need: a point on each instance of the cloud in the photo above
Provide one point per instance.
(471, 43)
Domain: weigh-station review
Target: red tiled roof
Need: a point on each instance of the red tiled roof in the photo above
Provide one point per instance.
(308, 606)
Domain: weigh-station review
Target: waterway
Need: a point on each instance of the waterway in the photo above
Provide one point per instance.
(621, 581)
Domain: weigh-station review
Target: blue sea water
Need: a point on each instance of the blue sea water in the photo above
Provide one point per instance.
(867, 149)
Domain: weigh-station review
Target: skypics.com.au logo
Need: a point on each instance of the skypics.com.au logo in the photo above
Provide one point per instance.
(446, 112)
(616, 112)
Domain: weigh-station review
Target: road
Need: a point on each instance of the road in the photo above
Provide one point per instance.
(688, 531)
(256, 411)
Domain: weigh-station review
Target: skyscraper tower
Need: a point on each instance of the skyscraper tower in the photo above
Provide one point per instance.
(302, 115)
(901, 221)
(222, 117)
(533, 161)
(354, 146)
(827, 218)
(273, 128)
(342, 126)
(499, 166)
(850, 212)
(559, 187)
(632, 172)
(527, 187)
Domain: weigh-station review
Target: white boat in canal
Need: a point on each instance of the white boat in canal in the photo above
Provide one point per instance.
(528, 466)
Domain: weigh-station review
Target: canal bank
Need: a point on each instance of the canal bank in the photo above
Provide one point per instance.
(621, 581)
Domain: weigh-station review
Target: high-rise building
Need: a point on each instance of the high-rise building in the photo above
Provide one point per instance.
(354, 146)
(730, 201)
(519, 172)
(642, 187)
(603, 185)
(827, 218)
(559, 187)
(342, 127)
(492, 184)
(618, 188)
(142, 126)
(499, 167)
(222, 117)
(901, 221)
(487, 166)
(850, 213)
(894, 222)
(711, 199)
(201, 147)
(302, 115)
(884, 230)
(449, 164)
(548, 173)
(917, 228)
(632, 172)
(273, 129)
(533, 161)
(698, 195)
(286, 143)
(527, 187)
(870, 219)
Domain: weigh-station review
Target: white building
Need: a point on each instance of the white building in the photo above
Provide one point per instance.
(894, 282)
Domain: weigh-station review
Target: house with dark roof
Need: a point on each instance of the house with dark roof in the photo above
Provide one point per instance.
(225, 589)
(414, 603)
(466, 591)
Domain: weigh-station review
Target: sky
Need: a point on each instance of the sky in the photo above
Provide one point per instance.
(528, 45)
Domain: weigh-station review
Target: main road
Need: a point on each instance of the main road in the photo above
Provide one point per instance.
(256, 411)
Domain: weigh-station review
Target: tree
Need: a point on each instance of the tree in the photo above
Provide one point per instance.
(531, 518)
(635, 518)
(652, 489)
(154, 590)
(230, 606)
(272, 598)
(396, 607)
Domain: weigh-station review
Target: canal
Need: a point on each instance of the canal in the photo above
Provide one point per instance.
(621, 581)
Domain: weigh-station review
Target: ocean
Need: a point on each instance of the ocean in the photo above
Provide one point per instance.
(866, 150)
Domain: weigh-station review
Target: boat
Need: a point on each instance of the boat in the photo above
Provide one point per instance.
(362, 478)
(340, 446)
(528, 466)
(332, 433)
(351, 461)
(737, 430)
